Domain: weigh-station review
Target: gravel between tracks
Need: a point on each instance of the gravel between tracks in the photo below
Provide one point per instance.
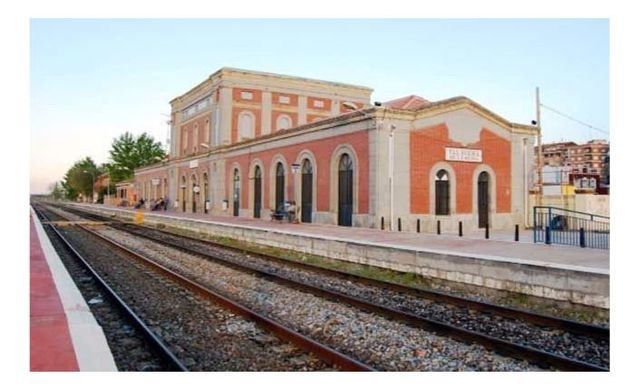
(576, 346)
(202, 335)
(382, 343)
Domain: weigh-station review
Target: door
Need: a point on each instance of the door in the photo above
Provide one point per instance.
(279, 187)
(345, 191)
(194, 194)
(205, 193)
(307, 192)
(257, 193)
(183, 199)
(236, 193)
(483, 198)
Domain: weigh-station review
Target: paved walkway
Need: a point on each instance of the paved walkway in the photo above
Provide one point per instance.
(500, 247)
(64, 335)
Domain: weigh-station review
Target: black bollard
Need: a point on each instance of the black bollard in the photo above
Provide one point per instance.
(439, 227)
(487, 231)
(582, 237)
(516, 232)
(461, 233)
(547, 234)
(399, 224)
(418, 226)
(382, 223)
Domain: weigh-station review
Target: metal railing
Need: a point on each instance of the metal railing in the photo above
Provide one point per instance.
(563, 226)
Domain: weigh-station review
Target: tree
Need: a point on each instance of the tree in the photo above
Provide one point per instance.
(56, 190)
(129, 153)
(79, 179)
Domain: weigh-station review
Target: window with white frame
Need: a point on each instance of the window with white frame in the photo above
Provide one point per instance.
(283, 122)
(284, 100)
(246, 125)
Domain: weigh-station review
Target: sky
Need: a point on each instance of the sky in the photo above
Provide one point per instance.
(93, 79)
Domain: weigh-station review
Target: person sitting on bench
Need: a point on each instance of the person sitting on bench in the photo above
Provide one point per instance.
(279, 213)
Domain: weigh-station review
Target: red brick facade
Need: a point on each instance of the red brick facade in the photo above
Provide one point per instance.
(428, 146)
(322, 150)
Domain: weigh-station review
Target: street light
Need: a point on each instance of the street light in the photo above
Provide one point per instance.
(92, 183)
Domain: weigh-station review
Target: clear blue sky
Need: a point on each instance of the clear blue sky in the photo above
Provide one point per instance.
(94, 79)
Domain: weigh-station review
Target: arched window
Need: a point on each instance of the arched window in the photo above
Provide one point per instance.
(279, 186)
(283, 122)
(246, 125)
(442, 193)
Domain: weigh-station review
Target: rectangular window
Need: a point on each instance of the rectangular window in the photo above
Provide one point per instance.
(284, 100)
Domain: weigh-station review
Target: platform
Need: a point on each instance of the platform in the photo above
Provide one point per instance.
(64, 335)
(579, 275)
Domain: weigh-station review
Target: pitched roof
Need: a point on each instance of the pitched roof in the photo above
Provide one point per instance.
(411, 102)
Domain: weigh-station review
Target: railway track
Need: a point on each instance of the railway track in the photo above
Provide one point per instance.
(540, 357)
(161, 349)
(326, 354)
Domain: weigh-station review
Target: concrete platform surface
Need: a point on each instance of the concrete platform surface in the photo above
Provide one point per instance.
(501, 246)
(64, 335)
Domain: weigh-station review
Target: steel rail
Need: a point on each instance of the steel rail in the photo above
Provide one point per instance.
(540, 357)
(598, 332)
(153, 339)
(323, 352)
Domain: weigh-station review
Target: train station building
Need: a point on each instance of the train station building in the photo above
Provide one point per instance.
(247, 143)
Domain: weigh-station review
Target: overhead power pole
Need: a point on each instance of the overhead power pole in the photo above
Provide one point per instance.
(540, 162)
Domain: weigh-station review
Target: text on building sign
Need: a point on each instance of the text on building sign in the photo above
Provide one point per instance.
(464, 155)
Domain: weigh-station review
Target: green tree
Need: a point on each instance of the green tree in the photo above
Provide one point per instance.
(79, 179)
(129, 153)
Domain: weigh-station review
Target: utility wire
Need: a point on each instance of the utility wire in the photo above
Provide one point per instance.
(573, 119)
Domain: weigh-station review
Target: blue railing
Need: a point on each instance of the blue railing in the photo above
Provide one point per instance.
(563, 226)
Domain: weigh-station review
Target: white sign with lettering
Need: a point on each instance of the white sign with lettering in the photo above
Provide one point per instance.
(193, 164)
(463, 155)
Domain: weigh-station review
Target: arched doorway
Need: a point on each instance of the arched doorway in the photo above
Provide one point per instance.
(194, 193)
(205, 195)
(183, 187)
(257, 193)
(345, 191)
(442, 193)
(307, 191)
(279, 187)
(483, 198)
(236, 192)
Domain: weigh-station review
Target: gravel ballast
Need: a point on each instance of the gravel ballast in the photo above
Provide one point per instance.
(375, 340)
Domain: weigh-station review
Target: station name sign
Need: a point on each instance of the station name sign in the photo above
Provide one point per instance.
(463, 155)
